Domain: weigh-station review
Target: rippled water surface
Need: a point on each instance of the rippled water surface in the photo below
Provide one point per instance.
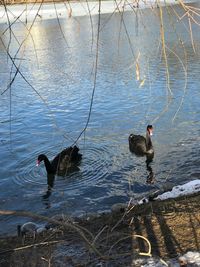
(47, 109)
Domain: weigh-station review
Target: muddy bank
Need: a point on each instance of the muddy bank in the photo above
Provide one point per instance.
(172, 228)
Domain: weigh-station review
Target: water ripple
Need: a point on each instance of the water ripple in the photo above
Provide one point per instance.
(93, 167)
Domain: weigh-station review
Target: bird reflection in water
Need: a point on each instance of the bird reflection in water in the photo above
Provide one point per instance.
(50, 183)
(150, 176)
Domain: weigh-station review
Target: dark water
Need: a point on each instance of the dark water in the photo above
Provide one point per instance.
(51, 113)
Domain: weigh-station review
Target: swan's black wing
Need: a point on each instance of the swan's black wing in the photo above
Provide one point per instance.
(137, 144)
(65, 158)
(75, 155)
(56, 161)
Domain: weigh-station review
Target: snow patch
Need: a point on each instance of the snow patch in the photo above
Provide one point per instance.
(189, 188)
(181, 190)
(191, 259)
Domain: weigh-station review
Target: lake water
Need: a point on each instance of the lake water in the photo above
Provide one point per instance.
(48, 110)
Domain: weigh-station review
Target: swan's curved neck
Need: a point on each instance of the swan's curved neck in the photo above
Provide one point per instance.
(48, 165)
(148, 141)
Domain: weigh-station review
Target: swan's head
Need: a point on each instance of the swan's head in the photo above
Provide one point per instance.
(150, 130)
(41, 157)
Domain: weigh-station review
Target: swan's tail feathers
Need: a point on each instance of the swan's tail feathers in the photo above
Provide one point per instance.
(75, 155)
(76, 148)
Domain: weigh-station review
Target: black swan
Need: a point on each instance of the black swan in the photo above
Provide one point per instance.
(140, 145)
(62, 162)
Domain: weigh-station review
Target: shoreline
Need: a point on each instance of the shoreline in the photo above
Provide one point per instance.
(24, 12)
(159, 197)
(171, 227)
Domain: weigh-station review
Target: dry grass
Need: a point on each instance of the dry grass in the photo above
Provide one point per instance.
(172, 227)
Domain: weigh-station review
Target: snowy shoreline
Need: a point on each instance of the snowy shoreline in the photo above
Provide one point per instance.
(187, 189)
(27, 12)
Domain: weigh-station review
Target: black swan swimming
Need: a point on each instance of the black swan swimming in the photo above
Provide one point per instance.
(140, 145)
(62, 162)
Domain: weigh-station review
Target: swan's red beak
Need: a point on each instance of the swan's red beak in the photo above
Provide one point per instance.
(38, 163)
(150, 132)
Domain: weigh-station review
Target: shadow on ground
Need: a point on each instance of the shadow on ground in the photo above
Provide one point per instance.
(172, 228)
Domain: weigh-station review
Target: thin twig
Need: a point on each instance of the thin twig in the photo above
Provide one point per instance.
(31, 246)
(65, 225)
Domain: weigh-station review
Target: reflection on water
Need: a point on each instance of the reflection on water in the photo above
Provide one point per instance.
(50, 115)
(150, 176)
(50, 184)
